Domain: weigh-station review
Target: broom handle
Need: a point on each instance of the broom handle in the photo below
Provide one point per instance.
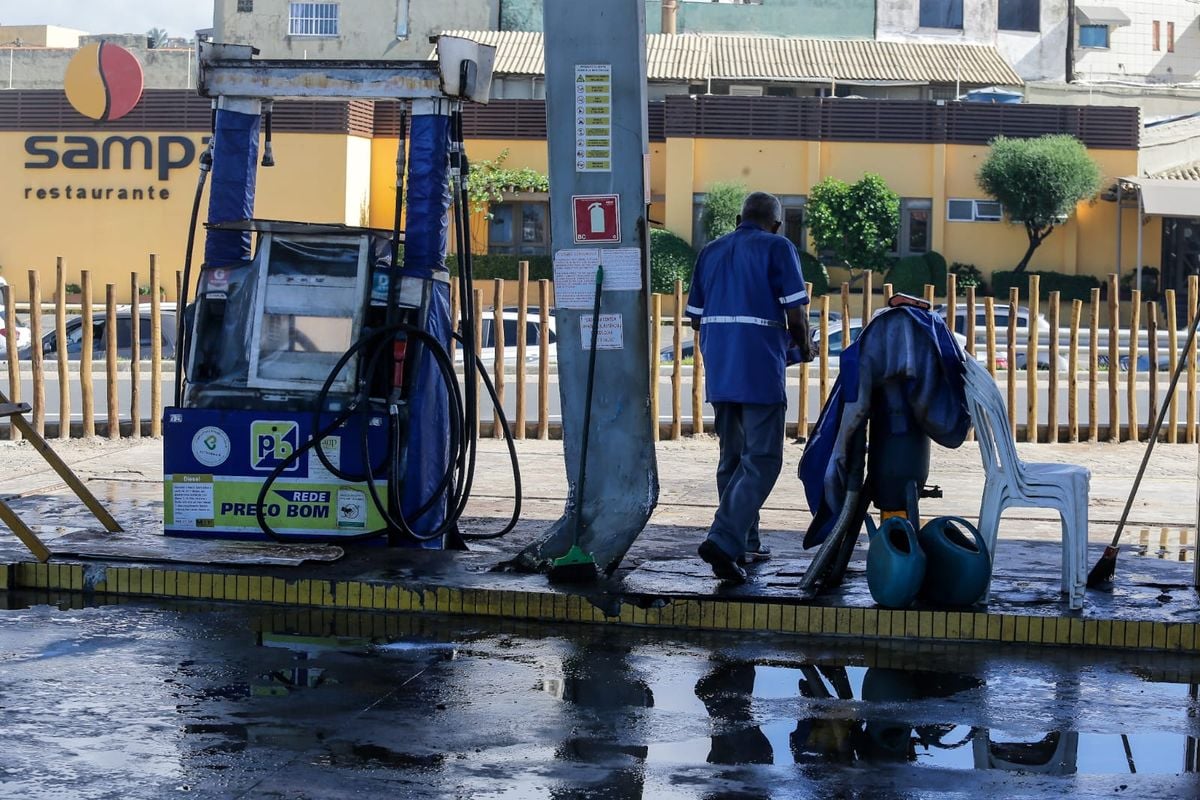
(1162, 414)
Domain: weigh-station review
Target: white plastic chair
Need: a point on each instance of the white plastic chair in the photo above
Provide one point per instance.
(1010, 482)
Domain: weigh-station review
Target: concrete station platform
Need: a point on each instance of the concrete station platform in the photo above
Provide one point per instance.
(1152, 605)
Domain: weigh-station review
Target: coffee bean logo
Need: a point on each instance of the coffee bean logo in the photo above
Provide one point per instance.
(104, 81)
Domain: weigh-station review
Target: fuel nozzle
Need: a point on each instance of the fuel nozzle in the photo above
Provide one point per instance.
(268, 155)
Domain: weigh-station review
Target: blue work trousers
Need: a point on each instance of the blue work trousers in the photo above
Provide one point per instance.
(751, 457)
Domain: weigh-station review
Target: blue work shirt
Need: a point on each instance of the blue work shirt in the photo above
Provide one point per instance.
(742, 283)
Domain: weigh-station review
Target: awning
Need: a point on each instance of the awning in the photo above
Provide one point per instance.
(1162, 197)
(1102, 15)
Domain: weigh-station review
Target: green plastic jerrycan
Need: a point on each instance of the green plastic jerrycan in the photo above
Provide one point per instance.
(958, 565)
(895, 563)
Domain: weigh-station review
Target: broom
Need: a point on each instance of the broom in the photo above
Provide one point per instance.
(577, 565)
(1106, 567)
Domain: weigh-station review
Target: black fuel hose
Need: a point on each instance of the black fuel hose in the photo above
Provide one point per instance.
(206, 161)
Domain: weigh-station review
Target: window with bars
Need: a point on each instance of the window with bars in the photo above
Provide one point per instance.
(245, 6)
(312, 19)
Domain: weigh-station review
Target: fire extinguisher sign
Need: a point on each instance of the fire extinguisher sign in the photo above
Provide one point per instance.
(597, 218)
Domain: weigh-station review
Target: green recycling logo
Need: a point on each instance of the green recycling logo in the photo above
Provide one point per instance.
(210, 446)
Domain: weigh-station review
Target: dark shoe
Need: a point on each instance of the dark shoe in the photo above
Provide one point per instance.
(722, 565)
(763, 553)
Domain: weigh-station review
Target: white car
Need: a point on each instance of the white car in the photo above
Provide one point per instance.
(532, 336)
(24, 337)
(835, 341)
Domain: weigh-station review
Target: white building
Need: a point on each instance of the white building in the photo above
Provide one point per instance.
(1031, 35)
(1138, 42)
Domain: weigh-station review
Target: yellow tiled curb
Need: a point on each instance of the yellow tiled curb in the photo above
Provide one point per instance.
(681, 613)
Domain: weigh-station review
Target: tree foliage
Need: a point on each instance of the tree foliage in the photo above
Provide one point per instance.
(156, 37)
(1039, 182)
(722, 204)
(490, 179)
(857, 222)
(671, 259)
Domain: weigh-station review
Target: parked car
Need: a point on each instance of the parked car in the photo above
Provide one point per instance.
(1000, 314)
(667, 353)
(101, 330)
(23, 336)
(533, 329)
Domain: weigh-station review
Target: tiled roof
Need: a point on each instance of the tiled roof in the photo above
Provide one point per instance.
(698, 57)
(1184, 172)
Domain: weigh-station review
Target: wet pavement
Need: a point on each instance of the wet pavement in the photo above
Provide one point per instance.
(147, 700)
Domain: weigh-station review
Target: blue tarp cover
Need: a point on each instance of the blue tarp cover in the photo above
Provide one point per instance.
(231, 193)
(901, 344)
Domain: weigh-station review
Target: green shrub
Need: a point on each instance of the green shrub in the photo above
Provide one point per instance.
(1069, 287)
(937, 270)
(1149, 285)
(967, 275)
(671, 259)
(815, 273)
(505, 266)
(722, 204)
(909, 275)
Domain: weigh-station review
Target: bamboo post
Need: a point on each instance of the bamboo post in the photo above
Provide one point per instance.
(11, 355)
(970, 314)
(887, 293)
(989, 317)
(866, 301)
(655, 361)
(824, 367)
(951, 300)
(522, 328)
(1052, 396)
(802, 396)
(1172, 360)
(1193, 298)
(1014, 298)
(111, 405)
(1094, 370)
(1114, 358)
(543, 430)
(929, 294)
(37, 361)
(1131, 405)
(1032, 347)
(178, 284)
(1073, 373)
(135, 358)
(61, 351)
(454, 306)
(86, 387)
(677, 365)
(697, 386)
(498, 352)
(480, 400)
(1152, 353)
(156, 404)
(846, 314)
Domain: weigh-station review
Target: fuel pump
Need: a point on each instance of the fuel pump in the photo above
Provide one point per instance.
(318, 398)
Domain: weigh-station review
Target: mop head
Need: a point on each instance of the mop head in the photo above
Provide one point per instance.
(1105, 569)
(576, 566)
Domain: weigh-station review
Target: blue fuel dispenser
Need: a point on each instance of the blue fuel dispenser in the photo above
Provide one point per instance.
(319, 399)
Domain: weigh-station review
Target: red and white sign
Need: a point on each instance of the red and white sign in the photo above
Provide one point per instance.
(597, 218)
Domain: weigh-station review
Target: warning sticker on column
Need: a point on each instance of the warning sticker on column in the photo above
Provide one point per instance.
(611, 335)
(593, 118)
(192, 500)
(575, 274)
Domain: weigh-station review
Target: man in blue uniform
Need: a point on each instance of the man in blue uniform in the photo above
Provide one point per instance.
(748, 301)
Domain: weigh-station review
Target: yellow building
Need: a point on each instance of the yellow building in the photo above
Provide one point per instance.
(105, 195)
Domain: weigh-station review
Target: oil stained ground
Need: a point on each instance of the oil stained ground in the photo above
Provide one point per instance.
(153, 701)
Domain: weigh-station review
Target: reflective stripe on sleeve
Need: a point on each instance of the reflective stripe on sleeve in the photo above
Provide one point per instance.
(767, 323)
(791, 298)
(695, 312)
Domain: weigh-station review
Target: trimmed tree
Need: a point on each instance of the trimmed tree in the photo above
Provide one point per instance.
(671, 259)
(857, 222)
(1039, 182)
(722, 204)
